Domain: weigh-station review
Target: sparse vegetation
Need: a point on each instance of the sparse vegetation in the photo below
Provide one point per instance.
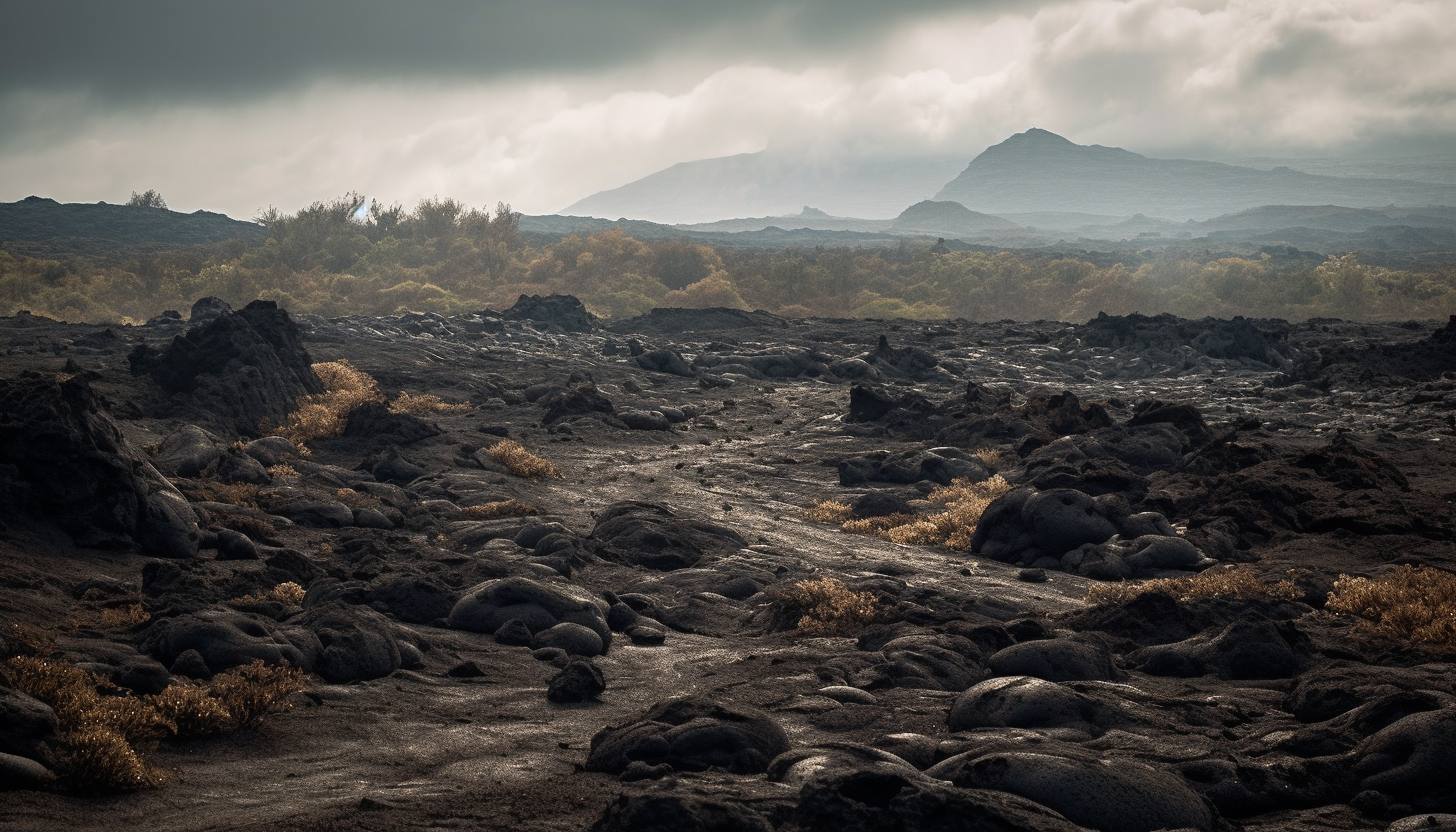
(500, 508)
(123, 618)
(101, 761)
(252, 691)
(287, 592)
(424, 405)
(829, 511)
(825, 607)
(1412, 603)
(444, 257)
(962, 504)
(1235, 581)
(213, 491)
(325, 414)
(995, 458)
(521, 462)
(105, 733)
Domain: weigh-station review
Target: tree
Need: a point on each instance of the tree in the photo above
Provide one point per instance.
(150, 199)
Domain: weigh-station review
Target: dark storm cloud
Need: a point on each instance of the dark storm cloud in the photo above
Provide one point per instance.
(168, 47)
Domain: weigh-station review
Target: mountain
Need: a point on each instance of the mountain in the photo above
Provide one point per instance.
(949, 219)
(1329, 218)
(42, 227)
(768, 184)
(1041, 171)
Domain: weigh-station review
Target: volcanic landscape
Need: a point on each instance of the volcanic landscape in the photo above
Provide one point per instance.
(627, 645)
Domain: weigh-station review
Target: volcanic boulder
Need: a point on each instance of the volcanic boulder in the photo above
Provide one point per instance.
(563, 312)
(244, 369)
(654, 536)
(691, 734)
(62, 457)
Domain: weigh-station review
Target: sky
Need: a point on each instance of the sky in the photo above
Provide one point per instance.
(236, 107)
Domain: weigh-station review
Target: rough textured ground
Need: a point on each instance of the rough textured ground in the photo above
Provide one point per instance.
(1323, 448)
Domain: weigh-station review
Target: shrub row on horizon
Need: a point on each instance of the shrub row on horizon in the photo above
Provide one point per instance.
(444, 257)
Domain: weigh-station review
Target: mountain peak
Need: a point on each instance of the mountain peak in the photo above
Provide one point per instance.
(1037, 135)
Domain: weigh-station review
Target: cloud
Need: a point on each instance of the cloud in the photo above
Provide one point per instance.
(145, 49)
(1166, 77)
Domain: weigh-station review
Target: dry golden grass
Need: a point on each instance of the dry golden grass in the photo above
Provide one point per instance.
(829, 511)
(1238, 581)
(287, 592)
(521, 462)
(996, 459)
(962, 504)
(282, 471)
(191, 710)
(69, 690)
(502, 508)
(27, 640)
(234, 494)
(424, 404)
(101, 761)
(123, 618)
(826, 607)
(253, 691)
(357, 499)
(104, 733)
(1413, 603)
(325, 414)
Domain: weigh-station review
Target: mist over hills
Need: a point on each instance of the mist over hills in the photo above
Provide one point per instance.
(1033, 178)
(772, 184)
(1041, 171)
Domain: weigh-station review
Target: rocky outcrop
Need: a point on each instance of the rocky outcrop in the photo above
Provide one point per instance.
(63, 458)
(244, 370)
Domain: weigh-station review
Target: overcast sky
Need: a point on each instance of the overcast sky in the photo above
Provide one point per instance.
(539, 104)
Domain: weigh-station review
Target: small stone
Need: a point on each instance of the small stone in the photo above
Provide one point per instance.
(1032, 576)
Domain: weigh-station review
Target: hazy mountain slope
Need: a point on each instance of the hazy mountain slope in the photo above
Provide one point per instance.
(766, 184)
(1041, 171)
(1329, 218)
(42, 227)
(948, 218)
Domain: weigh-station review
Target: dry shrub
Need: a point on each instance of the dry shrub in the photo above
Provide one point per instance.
(233, 494)
(829, 511)
(963, 503)
(826, 607)
(1238, 581)
(1414, 603)
(287, 592)
(282, 471)
(27, 640)
(101, 761)
(69, 690)
(134, 719)
(103, 732)
(501, 508)
(190, 710)
(521, 462)
(123, 618)
(876, 526)
(325, 414)
(996, 459)
(357, 499)
(424, 404)
(255, 690)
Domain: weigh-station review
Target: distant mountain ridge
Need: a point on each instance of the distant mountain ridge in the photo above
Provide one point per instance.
(42, 227)
(1040, 171)
(771, 184)
(1032, 173)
